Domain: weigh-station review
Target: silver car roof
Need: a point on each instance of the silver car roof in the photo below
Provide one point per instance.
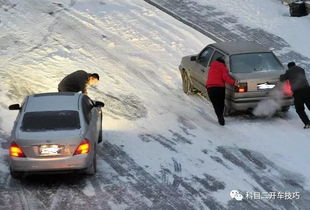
(240, 47)
(52, 102)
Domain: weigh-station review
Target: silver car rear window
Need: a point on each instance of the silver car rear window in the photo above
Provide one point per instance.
(254, 62)
(50, 120)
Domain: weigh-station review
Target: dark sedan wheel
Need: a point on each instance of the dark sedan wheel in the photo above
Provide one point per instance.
(187, 85)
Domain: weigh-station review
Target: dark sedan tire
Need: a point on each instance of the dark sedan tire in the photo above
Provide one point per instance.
(187, 84)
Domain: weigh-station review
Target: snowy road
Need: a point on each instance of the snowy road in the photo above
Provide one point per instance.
(162, 149)
(267, 22)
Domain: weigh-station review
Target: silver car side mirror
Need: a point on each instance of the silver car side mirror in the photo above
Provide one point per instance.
(194, 58)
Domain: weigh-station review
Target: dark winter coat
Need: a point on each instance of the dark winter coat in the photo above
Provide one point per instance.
(218, 75)
(74, 82)
(297, 78)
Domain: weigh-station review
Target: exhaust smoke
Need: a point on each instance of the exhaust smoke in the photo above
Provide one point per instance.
(269, 106)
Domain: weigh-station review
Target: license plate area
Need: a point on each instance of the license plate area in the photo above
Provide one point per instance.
(265, 86)
(50, 149)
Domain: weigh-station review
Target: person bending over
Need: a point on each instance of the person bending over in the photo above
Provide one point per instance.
(78, 81)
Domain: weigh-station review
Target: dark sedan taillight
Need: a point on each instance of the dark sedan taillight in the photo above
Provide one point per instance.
(83, 148)
(16, 151)
(242, 88)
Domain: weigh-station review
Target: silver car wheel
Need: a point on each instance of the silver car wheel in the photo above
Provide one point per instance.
(227, 111)
(16, 175)
(92, 169)
(186, 83)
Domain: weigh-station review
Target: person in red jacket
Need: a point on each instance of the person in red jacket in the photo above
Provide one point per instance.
(217, 77)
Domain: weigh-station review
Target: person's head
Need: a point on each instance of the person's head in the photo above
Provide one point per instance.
(291, 64)
(93, 79)
(221, 60)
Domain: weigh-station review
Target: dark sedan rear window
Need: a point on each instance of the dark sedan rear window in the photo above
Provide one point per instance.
(254, 62)
(51, 120)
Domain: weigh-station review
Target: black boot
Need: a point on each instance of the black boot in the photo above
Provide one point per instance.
(221, 121)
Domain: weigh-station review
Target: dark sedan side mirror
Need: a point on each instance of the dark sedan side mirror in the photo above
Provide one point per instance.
(14, 107)
(99, 104)
(193, 58)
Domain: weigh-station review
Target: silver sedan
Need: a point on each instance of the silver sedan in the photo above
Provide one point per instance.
(255, 67)
(55, 132)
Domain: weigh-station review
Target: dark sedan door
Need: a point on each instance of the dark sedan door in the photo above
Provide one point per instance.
(200, 68)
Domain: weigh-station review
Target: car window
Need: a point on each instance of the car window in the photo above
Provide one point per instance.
(87, 106)
(215, 56)
(205, 56)
(254, 62)
(50, 120)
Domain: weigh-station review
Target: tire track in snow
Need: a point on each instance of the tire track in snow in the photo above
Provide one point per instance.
(130, 107)
(269, 176)
(119, 184)
(118, 36)
(161, 196)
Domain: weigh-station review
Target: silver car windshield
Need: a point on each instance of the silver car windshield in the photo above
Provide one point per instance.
(50, 120)
(254, 62)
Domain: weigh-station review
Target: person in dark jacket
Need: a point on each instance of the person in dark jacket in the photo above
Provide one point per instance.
(301, 90)
(78, 81)
(217, 77)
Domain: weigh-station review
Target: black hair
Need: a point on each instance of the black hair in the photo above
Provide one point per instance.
(95, 75)
(221, 60)
(291, 64)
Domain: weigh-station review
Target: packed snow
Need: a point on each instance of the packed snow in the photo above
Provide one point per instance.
(167, 135)
(270, 15)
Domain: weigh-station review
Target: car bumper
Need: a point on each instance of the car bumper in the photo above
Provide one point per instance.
(75, 162)
(244, 104)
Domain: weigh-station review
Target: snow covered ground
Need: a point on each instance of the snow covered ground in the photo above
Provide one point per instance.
(269, 15)
(267, 22)
(163, 149)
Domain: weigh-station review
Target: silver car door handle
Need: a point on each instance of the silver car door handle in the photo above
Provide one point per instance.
(202, 70)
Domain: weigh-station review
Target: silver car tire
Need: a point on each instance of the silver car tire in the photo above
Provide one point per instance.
(92, 169)
(187, 85)
(285, 109)
(100, 134)
(16, 175)
(227, 111)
